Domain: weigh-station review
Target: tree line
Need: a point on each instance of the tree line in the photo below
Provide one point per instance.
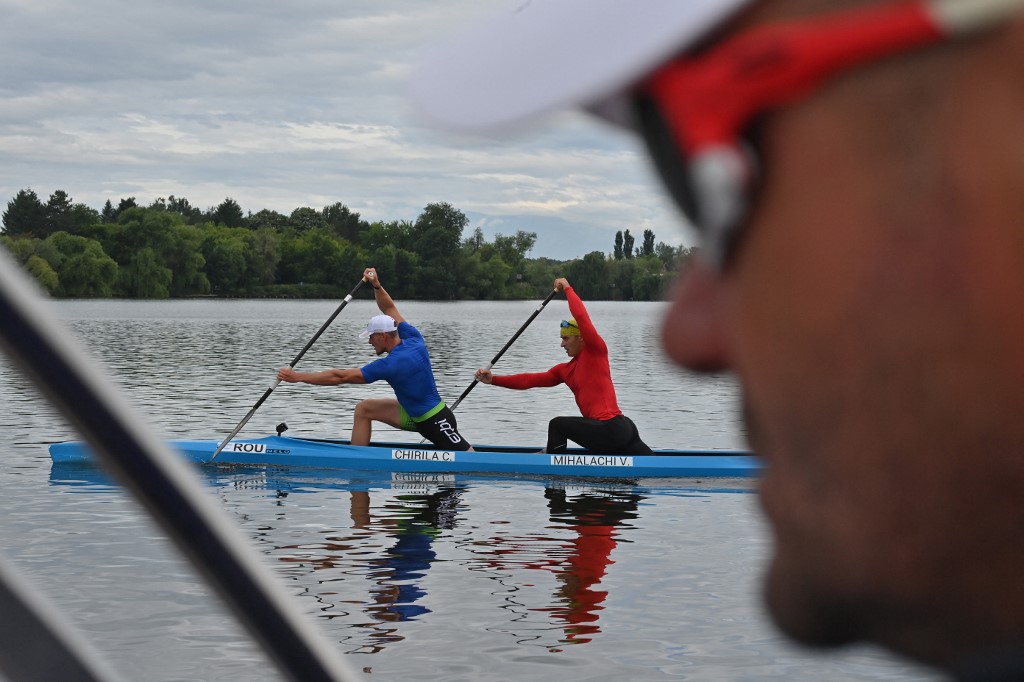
(171, 249)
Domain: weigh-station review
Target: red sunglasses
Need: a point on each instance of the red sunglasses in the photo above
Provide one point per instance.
(695, 112)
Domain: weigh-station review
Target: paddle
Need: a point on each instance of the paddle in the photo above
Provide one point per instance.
(506, 346)
(294, 362)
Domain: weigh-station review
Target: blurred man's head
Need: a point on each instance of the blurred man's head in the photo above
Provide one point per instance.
(857, 176)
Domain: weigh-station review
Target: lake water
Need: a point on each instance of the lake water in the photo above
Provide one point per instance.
(446, 578)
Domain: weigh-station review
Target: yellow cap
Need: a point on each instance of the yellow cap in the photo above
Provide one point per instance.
(569, 327)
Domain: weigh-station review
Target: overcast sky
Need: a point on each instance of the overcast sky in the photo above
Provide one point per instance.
(282, 104)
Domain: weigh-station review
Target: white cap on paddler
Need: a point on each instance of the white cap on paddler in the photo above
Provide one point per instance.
(545, 55)
(378, 323)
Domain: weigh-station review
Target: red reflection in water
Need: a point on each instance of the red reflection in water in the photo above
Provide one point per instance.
(579, 564)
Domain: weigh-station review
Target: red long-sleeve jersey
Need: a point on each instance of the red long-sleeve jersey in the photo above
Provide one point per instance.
(588, 375)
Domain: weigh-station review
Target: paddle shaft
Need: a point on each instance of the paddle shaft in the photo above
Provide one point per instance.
(294, 362)
(507, 345)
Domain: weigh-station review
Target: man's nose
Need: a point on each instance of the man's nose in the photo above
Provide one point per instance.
(694, 331)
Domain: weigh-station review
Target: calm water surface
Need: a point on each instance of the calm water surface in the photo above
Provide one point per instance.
(444, 577)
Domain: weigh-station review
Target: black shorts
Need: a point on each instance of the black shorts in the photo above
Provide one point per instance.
(618, 434)
(442, 430)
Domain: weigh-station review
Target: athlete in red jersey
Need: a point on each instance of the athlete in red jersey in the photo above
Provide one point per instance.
(603, 427)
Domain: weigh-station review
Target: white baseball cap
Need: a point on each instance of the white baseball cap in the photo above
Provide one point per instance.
(545, 55)
(378, 323)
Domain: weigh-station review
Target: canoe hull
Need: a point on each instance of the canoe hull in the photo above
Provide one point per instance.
(406, 457)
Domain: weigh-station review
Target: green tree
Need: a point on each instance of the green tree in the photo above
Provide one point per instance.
(343, 222)
(23, 248)
(513, 249)
(621, 275)
(138, 228)
(627, 244)
(63, 215)
(185, 260)
(262, 255)
(472, 285)
(319, 258)
(57, 210)
(498, 277)
(175, 246)
(617, 253)
(673, 257)
(435, 238)
(541, 274)
(25, 215)
(397, 265)
(224, 251)
(43, 273)
(589, 277)
(228, 213)
(20, 248)
(124, 205)
(380, 235)
(267, 219)
(145, 277)
(647, 249)
(85, 271)
(182, 207)
(475, 242)
(305, 219)
(650, 281)
(109, 213)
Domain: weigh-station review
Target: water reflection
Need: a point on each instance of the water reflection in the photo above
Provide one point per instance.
(371, 572)
(594, 519)
(578, 559)
(397, 577)
(401, 532)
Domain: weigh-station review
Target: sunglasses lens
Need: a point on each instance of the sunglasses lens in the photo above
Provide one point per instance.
(668, 158)
(714, 188)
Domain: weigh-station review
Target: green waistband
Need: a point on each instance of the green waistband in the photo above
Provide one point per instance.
(429, 413)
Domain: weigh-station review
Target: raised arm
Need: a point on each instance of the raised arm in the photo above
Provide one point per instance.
(579, 312)
(383, 298)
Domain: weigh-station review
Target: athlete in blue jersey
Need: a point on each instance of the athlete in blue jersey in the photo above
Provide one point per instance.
(406, 367)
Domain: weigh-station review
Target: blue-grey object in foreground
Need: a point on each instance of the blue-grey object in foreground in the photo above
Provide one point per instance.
(340, 454)
(42, 349)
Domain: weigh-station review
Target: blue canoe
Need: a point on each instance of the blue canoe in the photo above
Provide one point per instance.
(403, 457)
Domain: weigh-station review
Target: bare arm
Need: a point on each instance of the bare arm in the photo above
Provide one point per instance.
(383, 298)
(326, 377)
